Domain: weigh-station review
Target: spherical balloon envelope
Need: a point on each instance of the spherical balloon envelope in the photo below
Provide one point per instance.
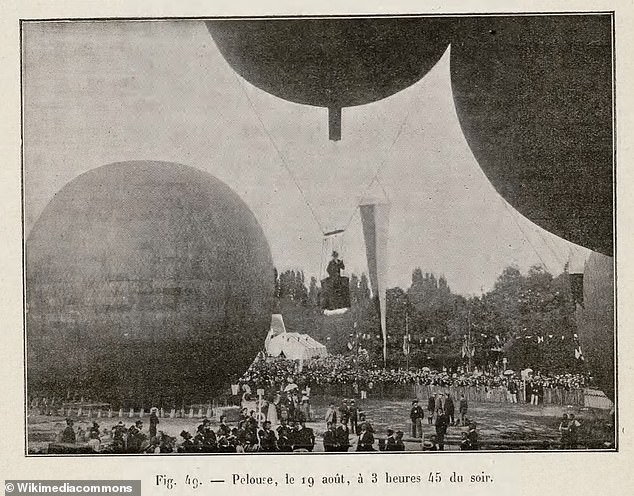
(534, 98)
(145, 281)
(595, 321)
(332, 63)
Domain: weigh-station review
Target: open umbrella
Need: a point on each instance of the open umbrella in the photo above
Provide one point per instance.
(509, 372)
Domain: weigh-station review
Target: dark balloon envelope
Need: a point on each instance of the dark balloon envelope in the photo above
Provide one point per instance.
(596, 321)
(145, 281)
(534, 99)
(332, 63)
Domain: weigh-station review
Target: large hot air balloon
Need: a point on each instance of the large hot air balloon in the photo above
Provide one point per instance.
(145, 281)
(332, 63)
(595, 320)
(534, 99)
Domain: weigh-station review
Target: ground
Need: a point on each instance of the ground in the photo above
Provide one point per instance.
(506, 426)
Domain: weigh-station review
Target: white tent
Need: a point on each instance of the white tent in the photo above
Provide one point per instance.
(295, 346)
(277, 328)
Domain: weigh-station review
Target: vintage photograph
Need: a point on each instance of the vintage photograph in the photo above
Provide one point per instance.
(319, 234)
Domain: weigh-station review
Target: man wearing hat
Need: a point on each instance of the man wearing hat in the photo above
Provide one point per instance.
(68, 435)
(473, 437)
(416, 415)
(390, 444)
(353, 415)
(154, 420)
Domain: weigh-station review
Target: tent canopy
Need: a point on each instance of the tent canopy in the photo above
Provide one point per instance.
(295, 346)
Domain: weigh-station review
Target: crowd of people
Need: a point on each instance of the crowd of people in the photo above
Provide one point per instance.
(341, 369)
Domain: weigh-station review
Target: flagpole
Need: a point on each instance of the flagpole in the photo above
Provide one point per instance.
(407, 338)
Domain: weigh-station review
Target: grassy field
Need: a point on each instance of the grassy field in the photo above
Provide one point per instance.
(511, 426)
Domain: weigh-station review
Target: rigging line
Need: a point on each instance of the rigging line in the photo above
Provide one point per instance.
(523, 233)
(544, 239)
(280, 155)
(375, 178)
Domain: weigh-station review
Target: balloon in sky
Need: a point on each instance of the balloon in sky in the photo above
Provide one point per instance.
(147, 281)
(534, 98)
(595, 320)
(332, 63)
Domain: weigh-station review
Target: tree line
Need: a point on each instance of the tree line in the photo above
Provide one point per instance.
(527, 319)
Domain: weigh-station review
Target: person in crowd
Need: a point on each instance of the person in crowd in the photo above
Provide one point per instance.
(463, 407)
(564, 430)
(513, 390)
(330, 438)
(416, 416)
(573, 429)
(154, 421)
(431, 409)
(268, 439)
(441, 429)
(119, 435)
(450, 409)
(439, 399)
(343, 436)
(366, 439)
(464, 442)
(354, 415)
(390, 442)
(94, 437)
(363, 421)
(399, 445)
(344, 410)
(474, 441)
(68, 434)
(284, 436)
(187, 446)
(331, 414)
(136, 438)
(430, 444)
(303, 437)
(81, 435)
(223, 428)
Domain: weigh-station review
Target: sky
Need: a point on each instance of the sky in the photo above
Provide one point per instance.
(102, 92)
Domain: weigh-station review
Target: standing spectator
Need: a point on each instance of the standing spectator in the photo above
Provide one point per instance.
(416, 415)
(154, 421)
(343, 436)
(463, 406)
(390, 442)
(564, 429)
(330, 439)
(431, 408)
(573, 426)
(513, 390)
(441, 429)
(438, 403)
(344, 411)
(354, 416)
(68, 434)
(450, 410)
(331, 414)
(366, 439)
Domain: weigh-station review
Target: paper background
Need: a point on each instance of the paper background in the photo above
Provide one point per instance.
(524, 473)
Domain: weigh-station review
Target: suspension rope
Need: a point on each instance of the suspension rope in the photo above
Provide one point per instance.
(280, 155)
(508, 209)
(375, 177)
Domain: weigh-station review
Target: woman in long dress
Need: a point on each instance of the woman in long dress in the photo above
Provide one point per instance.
(271, 415)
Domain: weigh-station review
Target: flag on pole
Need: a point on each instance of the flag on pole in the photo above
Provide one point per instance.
(406, 340)
(375, 222)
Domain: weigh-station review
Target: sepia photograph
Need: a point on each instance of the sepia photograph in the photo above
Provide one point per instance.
(303, 235)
